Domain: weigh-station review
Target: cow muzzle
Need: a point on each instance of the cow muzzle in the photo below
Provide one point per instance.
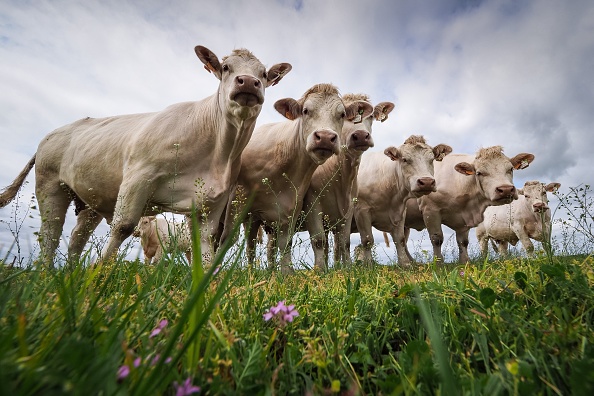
(540, 207)
(424, 186)
(247, 91)
(505, 194)
(360, 140)
(324, 143)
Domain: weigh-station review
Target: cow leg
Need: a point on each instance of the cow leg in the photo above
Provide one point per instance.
(483, 240)
(527, 243)
(342, 243)
(398, 236)
(86, 222)
(53, 202)
(502, 247)
(462, 240)
(363, 221)
(285, 244)
(251, 231)
(319, 240)
(433, 224)
(130, 204)
(406, 238)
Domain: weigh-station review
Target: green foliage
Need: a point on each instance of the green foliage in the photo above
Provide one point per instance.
(511, 327)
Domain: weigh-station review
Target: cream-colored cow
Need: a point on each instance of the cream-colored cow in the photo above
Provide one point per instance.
(528, 217)
(386, 182)
(466, 186)
(159, 236)
(278, 163)
(124, 167)
(328, 204)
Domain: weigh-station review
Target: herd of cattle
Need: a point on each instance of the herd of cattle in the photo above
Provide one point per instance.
(308, 173)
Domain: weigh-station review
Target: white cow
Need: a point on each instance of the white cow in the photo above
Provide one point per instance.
(527, 217)
(278, 163)
(328, 203)
(386, 182)
(466, 186)
(159, 236)
(123, 167)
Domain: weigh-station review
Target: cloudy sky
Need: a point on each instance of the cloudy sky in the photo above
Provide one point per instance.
(468, 73)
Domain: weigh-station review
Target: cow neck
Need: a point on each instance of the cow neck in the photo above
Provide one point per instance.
(300, 165)
(541, 222)
(234, 133)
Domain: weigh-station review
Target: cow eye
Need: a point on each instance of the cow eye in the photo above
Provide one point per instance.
(526, 195)
(479, 173)
(225, 68)
(265, 75)
(343, 115)
(305, 111)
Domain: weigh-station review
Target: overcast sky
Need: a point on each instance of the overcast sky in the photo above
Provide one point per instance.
(467, 73)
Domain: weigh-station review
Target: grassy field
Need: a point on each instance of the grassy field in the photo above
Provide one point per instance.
(511, 326)
(517, 326)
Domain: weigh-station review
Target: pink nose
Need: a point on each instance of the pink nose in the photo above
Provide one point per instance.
(247, 80)
(361, 136)
(426, 183)
(506, 191)
(539, 207)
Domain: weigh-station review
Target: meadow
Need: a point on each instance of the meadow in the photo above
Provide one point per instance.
(502, 326)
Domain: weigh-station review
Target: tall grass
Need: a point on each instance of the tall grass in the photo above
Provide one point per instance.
(511, 326)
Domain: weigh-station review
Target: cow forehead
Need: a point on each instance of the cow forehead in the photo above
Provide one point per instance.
(244, 58)
(534, 188)
(493, 162)
(323, 100)
(418, 150)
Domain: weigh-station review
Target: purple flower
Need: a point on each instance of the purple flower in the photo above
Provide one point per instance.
(157, 330)
(282, 313)
(186, 388)
(123, 372)
(137, 361)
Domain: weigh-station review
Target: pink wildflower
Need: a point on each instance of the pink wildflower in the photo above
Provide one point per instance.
(282, 313)
(123, 372)
(186, 388)
(157, 330)
(137, 361)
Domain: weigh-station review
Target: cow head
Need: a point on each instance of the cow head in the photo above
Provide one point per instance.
(356, 133)
(415, 158)
(243, 79)
(143, 225)
(535, 193)
(321, 113)
(493, 172)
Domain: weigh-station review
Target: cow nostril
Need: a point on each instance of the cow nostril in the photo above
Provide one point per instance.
(240, 80)
(333, 139)
(257, 83)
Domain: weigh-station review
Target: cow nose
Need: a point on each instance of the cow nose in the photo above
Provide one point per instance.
(506, 191)
(325, 137)
(247, 80)
(426, 183)
(361, 136)
(539, 207)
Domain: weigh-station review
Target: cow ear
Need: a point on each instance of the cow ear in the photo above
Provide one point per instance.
(552, 187)
(277, 72)
(381, 110)
(520, 191)
(465, 168)
(289, 108)
(210, 60)
(440, 151)
(521, 161)
(393, 153)
(358, 111)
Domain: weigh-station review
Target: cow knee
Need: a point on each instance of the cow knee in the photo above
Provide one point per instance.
(437, 239)
(125, 229)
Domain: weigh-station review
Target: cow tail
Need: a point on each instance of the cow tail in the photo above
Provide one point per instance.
(386, 239)
(8, 194)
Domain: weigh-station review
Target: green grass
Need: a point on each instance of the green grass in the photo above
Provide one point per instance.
(517, 326)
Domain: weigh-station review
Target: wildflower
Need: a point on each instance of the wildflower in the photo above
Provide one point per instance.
(157, 330)
(461, 273)
(123, 372)
(282, 313)
(137, 361)
(186, 388)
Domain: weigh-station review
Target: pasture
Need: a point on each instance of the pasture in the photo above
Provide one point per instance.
(507, 326)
